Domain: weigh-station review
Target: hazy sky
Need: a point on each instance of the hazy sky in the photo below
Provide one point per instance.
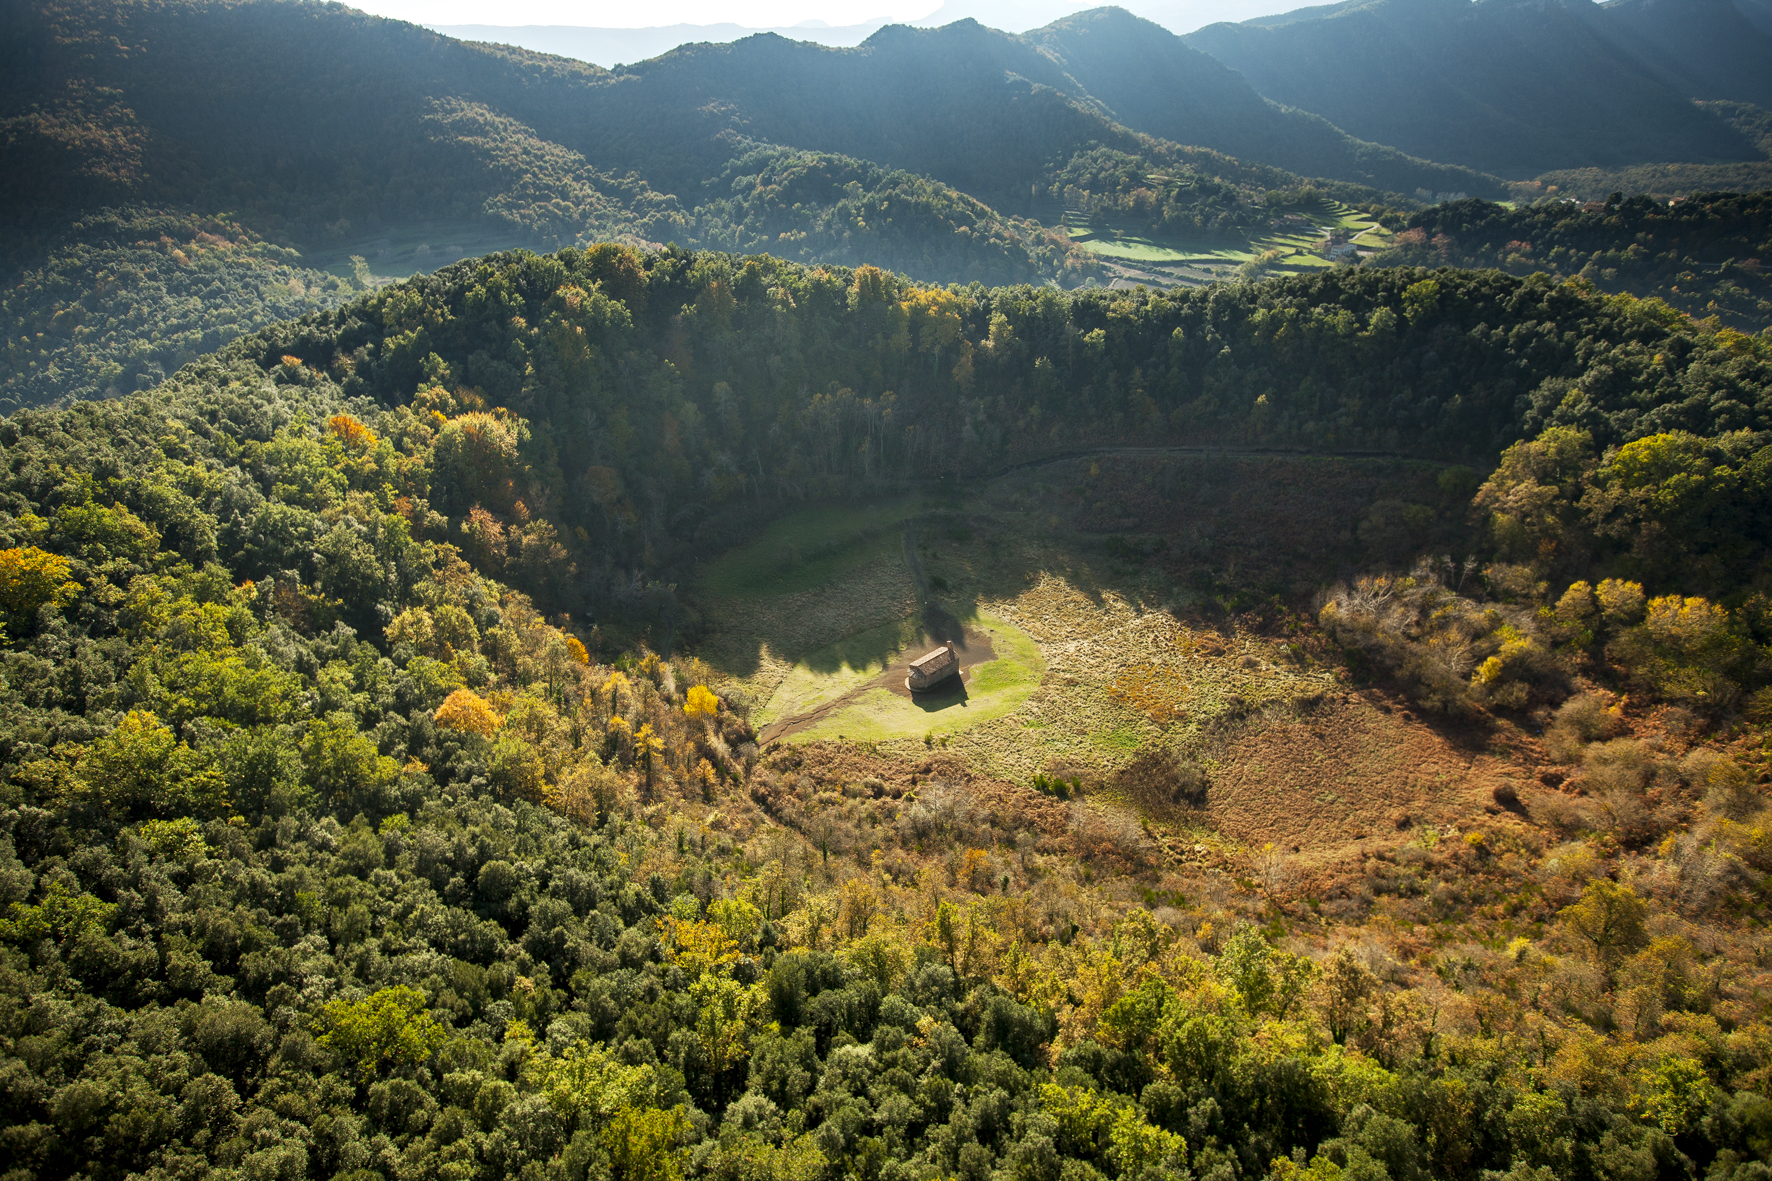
(1180, 15)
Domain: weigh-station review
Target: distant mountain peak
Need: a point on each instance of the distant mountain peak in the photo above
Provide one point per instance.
(1513, 87)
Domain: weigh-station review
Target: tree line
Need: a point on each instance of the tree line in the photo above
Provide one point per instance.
(1701, 254)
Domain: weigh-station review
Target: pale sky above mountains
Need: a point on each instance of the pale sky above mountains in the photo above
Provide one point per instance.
(1181, 16)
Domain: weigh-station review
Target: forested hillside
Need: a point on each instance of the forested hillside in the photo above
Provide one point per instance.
(815, 207)
(469, 136)
(1153, 81)
(129, 296)
(1707, 49)
(454, 728)
(1510, 88)
(556, 147)
(813, 155)
(895, 98)
(1700, 255)
(457, 113)
(655, 395)
(328, 852)
(1670, 180)
(258, 108)
(810, 154)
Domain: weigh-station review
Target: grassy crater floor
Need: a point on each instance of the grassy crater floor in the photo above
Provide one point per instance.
(810, 548)
(1082, 656)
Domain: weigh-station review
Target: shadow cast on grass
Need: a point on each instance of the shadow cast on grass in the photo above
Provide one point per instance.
(944, 696)
(1202, 534)
(876, 646)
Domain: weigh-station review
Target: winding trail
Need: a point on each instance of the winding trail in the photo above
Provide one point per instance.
(1206, 450)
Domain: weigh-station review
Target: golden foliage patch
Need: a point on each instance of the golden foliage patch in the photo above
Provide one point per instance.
(1154, 690)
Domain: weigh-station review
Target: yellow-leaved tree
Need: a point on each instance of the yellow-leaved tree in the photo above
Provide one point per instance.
(351, 432)
(701, 702)
(588, 1086)
(645, 1143)
(390, 1029)
(466, 712)
(647, 746)
(142, 768)
(31, 578)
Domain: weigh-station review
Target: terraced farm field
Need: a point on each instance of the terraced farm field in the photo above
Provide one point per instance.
(1295, 238)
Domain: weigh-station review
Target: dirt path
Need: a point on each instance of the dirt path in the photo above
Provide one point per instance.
(972, 646)
(1202, 450)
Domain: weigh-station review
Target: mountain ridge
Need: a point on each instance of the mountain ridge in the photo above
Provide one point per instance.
(1152, 80)
(1472, 83)
(639, 120)
(1709, 49)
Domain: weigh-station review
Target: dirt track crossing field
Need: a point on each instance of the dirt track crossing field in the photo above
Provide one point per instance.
(973, 648)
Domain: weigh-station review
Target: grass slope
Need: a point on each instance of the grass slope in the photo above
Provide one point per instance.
(809, 548)
(837, 668)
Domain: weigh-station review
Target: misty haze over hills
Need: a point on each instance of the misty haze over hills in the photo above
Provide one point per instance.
(1097, 146)
(610, 47)
(1511, 88)
(1507, 88)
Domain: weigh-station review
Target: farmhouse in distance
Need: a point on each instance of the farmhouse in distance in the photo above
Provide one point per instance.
(932, 668)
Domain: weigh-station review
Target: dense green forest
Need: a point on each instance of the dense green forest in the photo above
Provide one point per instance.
(119, 315)
(197, 107)
(366, 813)
(505, 146)
(1674, 180)
(1152, 81)
(128, 295)
(669, 389)
(256, 109)
(161, 134)
(132, 295)
(329, 852)
(562, 149)
(1661, 181)
(1190, 206)
(763, 378)
(1701, 255)
(815, 207)
(1753, 122)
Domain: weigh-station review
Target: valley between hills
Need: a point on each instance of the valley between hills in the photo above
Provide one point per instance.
(466, 516)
